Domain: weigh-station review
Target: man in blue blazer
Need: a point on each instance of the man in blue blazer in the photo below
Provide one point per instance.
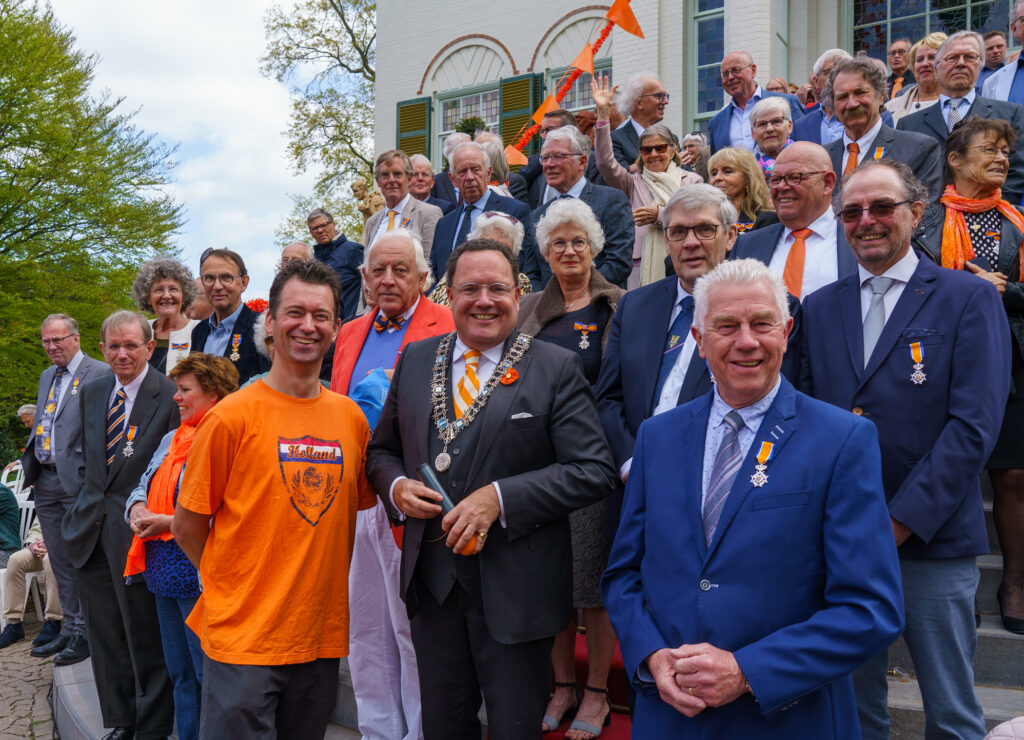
(731, 125)
(806, 248)
(924, 353)
(471, 173)
(753, 569)
(810, 128)
(567, 151)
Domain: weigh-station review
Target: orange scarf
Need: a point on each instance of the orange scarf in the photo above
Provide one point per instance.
(956, 240)
(161, 494)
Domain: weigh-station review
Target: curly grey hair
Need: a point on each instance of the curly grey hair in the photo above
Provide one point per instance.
(863, 64)
(509, 226)
(570, 212)
(161, 268)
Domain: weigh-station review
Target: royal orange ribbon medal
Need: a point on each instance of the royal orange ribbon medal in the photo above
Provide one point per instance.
(917, 355)
(128, 449)
(584, 329)
(236, 339)
(764, 454)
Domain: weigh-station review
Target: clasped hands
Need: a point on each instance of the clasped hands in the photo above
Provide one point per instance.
(147, 524)
(691, 678)
(473, 515)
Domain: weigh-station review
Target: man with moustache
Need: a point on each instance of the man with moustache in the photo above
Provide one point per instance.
(900, 63)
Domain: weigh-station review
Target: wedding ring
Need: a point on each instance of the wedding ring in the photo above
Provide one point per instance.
(482, 535)
(690, 690)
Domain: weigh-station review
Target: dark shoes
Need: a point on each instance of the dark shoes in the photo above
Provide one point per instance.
(50, 648)
(1011, 624)
(12, 633)
(120, 733)
(76, 651)
(49, 632)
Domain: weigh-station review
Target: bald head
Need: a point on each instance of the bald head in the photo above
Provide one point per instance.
(738, 76)
(296, 251)
(800, 204)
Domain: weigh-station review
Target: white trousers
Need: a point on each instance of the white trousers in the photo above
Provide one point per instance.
(381, 656)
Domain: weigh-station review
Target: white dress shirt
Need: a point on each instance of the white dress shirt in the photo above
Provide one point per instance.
(821, 265)
(863, 145)
(550, 193)
(383, 225)
(131, 390)
(901, 273)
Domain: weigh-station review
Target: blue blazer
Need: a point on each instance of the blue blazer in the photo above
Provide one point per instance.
(615, 261)
(936, 436)
(446, 206)
(626, 144)
(443, 188)
(801, 581)
(447, 228)
(718, 128)
(760, 245)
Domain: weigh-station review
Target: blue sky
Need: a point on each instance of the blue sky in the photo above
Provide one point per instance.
(191, 69)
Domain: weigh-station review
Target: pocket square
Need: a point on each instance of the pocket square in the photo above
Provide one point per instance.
(522, 415)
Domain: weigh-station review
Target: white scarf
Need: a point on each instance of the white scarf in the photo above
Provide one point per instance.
(652, 256)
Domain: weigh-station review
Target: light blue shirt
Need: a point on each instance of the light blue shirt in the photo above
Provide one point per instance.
(72, 368)
(550, 193)
(475, 209)
(965, 105)
(220, 332)
(739, 121)
(831, 128)
(752, 415)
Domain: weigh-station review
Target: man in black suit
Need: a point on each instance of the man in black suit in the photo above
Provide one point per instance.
(443, 187)
(511, 431)
(124, 417)
(532, 172)
(229, 330)
(901, 65)
(643, 100)
(856, 89)
(957, 64)
(421, 183)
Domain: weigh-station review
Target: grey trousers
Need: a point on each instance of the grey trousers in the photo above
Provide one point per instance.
(51, 504)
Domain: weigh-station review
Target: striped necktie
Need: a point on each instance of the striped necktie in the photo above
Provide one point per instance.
(723, 473)
(115, 424)
(469, 384)
(954, 112)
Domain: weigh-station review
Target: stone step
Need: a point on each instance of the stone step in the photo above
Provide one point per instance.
(999, 661)
(907, 712)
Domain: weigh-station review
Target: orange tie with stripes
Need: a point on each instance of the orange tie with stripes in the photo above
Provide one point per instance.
(851, 161)
(469, 384)
(793, 274)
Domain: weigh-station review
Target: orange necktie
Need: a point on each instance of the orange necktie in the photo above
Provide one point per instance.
(793, 275)
(897, 85)
(391, 220)
(469, 385)
(851, 161)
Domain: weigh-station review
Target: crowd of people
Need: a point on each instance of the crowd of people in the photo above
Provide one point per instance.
(725, 403)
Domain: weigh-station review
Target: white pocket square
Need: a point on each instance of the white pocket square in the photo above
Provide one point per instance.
(522, 415)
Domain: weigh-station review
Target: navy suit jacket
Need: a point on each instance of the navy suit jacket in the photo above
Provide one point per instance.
(250, 362)
(446, 206)
(760, 245)
(443, 188)
(718, 129)
(447, 227)
(808, 128)
(626, 144)
(800, 582)
(930, 121)
(936, 436)
(345, 257)
(615, 261)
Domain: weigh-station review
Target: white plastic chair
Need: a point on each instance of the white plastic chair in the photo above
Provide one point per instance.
(13, 477)
(28, 511)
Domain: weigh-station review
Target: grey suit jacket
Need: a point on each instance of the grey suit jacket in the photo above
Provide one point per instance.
(67, 426)
(104, 492)
(423, 217)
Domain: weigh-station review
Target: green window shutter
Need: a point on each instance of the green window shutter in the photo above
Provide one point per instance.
(413, 133)
(520, 97)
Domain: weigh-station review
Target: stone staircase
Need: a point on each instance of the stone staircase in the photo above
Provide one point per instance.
(998, 665)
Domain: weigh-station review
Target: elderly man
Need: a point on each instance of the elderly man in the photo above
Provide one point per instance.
(296, 251)
(229, 330)
(471, 173)
(339, 253)
(856, 88)
(753, 568)
(1007, 83)
(52, 463)
(31, 558)
(731, 125)
(124, 415)
(643, 100)
(422, 181)
(995, 57)
(806, 248)
(516, 182)
(821, 125)
(392, 171)
(443, 188)
(901, 65)
(267, 513)
(957, 64)
(381, 657)
(564, 157)
(532, 172)
(924, 353)
(510, 431)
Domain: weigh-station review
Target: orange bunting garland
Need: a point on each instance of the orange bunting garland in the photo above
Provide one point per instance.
(622, 15)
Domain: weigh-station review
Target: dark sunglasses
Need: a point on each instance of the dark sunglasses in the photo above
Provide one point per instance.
(651, 148)
(852, 214)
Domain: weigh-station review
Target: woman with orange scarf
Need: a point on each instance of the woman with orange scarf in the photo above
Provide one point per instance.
(202, 381)
(983, 233)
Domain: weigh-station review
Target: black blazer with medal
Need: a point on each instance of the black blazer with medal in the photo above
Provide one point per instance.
(249, 362)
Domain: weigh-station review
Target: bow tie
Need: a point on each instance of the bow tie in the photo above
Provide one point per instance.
(383, 323)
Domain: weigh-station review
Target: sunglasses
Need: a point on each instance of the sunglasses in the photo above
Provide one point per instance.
(651, 148)
(852, 214)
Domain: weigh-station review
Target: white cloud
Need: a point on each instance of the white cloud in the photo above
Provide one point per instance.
(192, 69)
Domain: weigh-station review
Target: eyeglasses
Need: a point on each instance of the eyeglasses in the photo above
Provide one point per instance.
(557, 157)
(55, 342)
(704, 232)
(129, 347)
(663, 97)
(793, 179)
(774, 123)
(472, 291)
(652, 148)
(733, 71)
(558, 246)
(1018, 19)
(991, 151)
(227, 280)
(967, 58)
(898, 52)
(880, 209)
(320, 227)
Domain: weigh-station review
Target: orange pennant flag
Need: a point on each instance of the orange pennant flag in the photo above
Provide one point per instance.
(622, 16)
(549, 104)
(584, 61)
(514, 156)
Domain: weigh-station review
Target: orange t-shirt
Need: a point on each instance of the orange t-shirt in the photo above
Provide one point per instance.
(282, 478)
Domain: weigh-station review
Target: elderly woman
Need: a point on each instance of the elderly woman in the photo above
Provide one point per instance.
(575, 311)
(165, 287)
(659, 174)
(736, 173)
(925, 91)
(27, 414)
(499, 227)
(983, 233)
(771, 123)
(202, 381)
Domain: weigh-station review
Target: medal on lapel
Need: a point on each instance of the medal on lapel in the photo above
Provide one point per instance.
(764, 454)
(236, 339)
(917, 355)
(180, 346)
(128, 450)
(584, 329)
(74, 387)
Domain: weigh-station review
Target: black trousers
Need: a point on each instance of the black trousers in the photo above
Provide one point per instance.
(459, 660)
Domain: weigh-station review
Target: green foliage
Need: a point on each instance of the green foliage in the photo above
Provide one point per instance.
(347, 218)
(471, 125)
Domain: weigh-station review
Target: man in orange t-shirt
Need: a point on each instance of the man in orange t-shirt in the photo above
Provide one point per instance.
(267, 512)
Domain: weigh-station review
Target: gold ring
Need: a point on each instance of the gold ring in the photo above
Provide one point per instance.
(482, 535)
(690, 690)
